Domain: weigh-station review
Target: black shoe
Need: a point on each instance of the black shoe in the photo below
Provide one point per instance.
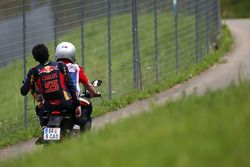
(39, 141)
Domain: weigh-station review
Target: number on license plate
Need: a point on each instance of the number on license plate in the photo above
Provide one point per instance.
(51, 133)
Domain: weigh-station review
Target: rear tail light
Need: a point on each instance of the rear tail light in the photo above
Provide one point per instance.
(56, 112)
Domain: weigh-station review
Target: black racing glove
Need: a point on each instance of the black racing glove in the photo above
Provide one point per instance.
(98, 94)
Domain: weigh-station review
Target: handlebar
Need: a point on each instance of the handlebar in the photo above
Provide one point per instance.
(88, 95)
(95, 83)
(85, 94)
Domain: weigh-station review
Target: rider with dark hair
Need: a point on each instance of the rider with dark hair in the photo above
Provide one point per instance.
(52, 81)
(40, 53)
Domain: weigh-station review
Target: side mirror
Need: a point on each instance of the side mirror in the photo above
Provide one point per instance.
(96, 83)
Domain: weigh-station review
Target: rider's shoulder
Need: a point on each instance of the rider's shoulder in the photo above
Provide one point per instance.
(32, 70)
(56, 63)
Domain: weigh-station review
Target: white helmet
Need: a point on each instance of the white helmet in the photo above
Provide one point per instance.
(66, 50)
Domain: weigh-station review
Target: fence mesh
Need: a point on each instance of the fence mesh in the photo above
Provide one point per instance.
(129, 44)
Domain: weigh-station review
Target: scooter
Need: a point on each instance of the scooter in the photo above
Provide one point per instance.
(61, 123)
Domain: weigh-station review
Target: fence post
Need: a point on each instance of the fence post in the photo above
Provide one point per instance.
(136, 51)
(218, 17)
(82, 32)
(207, 26)
(197, 30)
(133, 37)
(156, 41)
(109, 50)
(55, 23)
(175, 11)
(24, 63)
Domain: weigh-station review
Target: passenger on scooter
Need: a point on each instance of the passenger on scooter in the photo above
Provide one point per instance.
(53, 81)
(66, 53)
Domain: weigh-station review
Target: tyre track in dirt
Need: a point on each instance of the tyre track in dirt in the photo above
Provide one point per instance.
(235, 66)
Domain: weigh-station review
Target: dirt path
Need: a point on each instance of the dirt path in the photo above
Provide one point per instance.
(237, 63)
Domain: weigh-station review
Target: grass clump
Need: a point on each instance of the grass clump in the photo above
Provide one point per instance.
(235, 8)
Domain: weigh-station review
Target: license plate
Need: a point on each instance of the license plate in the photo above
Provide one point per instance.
(51, 133)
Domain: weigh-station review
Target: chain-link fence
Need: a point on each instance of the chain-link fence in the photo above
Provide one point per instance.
(129, 44)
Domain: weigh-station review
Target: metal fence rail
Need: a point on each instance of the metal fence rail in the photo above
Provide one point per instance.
(129, 44)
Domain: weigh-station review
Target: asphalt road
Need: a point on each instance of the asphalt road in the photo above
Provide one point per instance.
(236, 65)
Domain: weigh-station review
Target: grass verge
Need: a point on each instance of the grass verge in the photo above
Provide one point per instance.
(235, 8)
(212, 130)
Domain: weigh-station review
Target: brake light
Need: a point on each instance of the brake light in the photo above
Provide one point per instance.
(56, 113)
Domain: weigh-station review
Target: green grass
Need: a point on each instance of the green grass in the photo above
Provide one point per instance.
(235, 8)
(11, 111)
(212, 130)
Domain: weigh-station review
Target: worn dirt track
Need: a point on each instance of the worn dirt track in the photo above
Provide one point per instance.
(236, 64)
